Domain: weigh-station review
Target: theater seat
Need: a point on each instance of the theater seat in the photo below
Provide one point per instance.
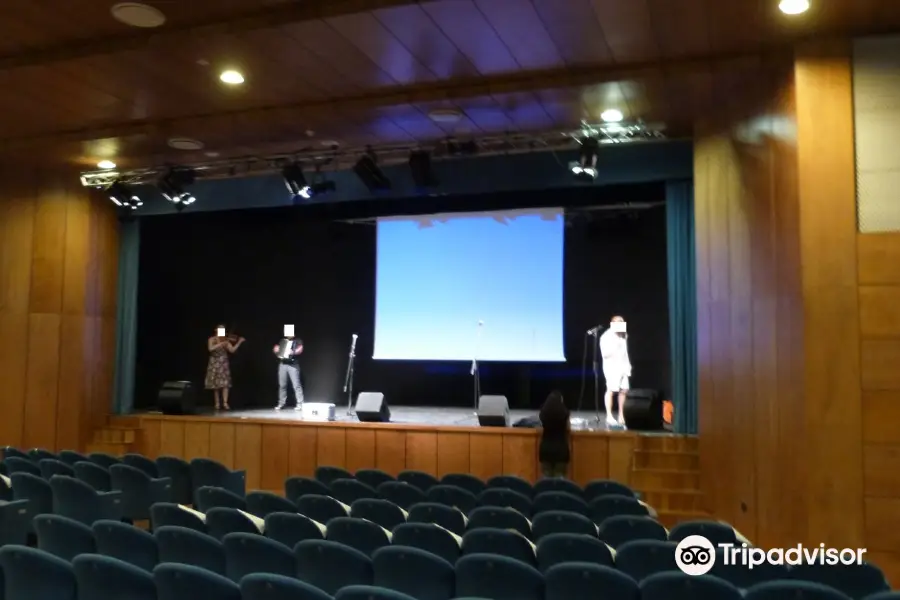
(164, 514)
(676, 585)
(63, 537)
(187, 582)
(292, 528)
(558, 521)
(94, 475)
(559, 548)
(221, 521)
(420, 479)
(516, 484)
(330, 566)
(104, 578)
(246, 553)
(262, 504)
(793, 590)
(297, 487)
(556, 484)
(206, 472)
(587, 581)
(415, 572)
(189, 547)
(126, 543)
(265, 586)
(381, 512)
(401, 493)
(470, 483)
(329, 475)
(497, 578)
(616, 531)
(430, 538)
(365, 536)
(320, 508)
(31, 573)
(606, 487)
(500, 542)
(499, 517)
(368, 592)
(373, 477)
(643, 558)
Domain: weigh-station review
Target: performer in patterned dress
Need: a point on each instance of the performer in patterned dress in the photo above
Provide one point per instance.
(218, 373)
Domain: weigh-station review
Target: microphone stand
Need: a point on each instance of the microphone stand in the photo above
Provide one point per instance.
(595, 332)
(348, 378)
(475, 372)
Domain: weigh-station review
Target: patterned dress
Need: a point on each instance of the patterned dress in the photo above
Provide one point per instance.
(218, 374)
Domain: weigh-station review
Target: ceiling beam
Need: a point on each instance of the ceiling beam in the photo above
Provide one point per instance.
(454, 89)
(268, 17)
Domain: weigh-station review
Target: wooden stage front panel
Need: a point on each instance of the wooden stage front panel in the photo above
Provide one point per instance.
(271, 450)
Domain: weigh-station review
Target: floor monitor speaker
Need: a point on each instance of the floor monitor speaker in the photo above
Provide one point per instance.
(644, 410)
(177, 398)
(371, 407)
(493, 411)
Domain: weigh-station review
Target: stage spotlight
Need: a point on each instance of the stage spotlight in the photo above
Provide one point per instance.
(367, 170)
(586, 167)
(123, 196)
(173, 184)
(295, 181)
(420, 166)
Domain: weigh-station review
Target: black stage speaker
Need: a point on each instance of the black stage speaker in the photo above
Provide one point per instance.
(644, 410)
(176, 398)
(371, 407)
(493, 411)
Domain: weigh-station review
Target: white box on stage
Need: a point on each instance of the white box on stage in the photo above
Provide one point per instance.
(317, 411)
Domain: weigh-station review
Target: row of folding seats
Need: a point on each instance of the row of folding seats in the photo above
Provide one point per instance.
(638, 558)
(424, 481)
(184, 477)
(404, 495)
(395, 573)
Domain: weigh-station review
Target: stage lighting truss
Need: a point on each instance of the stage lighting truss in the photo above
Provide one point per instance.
(346, 158)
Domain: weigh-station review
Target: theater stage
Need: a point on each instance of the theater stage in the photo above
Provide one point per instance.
(405, 415)
(273, 445)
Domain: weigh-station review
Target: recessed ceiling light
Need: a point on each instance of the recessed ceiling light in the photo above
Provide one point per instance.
(330, 143)
(180, 143)
(793, 7)
(212, 154)
(106, 164)
(445, 115)
(612, 116)
(136, 14)
(231, 77)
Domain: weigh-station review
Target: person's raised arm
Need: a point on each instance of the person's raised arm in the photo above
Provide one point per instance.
(298, 349)
(233, 347)
(275, 348)
(213, 343)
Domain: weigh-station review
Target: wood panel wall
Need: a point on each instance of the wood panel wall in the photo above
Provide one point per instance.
(879, 322)
(750, 312)
(58, 272)
(271, 451)
(780, 409)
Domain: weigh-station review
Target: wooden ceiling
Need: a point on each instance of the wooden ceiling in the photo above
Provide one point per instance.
(80, 86)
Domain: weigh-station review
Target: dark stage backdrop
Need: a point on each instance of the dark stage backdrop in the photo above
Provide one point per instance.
(255, 270)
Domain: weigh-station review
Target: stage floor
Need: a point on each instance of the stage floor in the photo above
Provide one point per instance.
(408, 415)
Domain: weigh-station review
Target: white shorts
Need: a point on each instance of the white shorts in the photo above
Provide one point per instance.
(616, 382)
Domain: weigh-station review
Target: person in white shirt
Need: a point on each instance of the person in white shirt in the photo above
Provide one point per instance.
(616, 368)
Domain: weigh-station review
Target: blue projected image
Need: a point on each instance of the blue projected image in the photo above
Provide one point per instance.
(439, 276)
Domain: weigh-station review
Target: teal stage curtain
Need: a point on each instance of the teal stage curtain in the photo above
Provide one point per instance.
(682, 302)
(126, 316)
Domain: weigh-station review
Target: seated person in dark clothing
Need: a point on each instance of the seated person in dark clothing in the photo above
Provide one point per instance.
(554, 448)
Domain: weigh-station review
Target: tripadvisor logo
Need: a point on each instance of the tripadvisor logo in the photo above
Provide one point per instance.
(696, 555)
